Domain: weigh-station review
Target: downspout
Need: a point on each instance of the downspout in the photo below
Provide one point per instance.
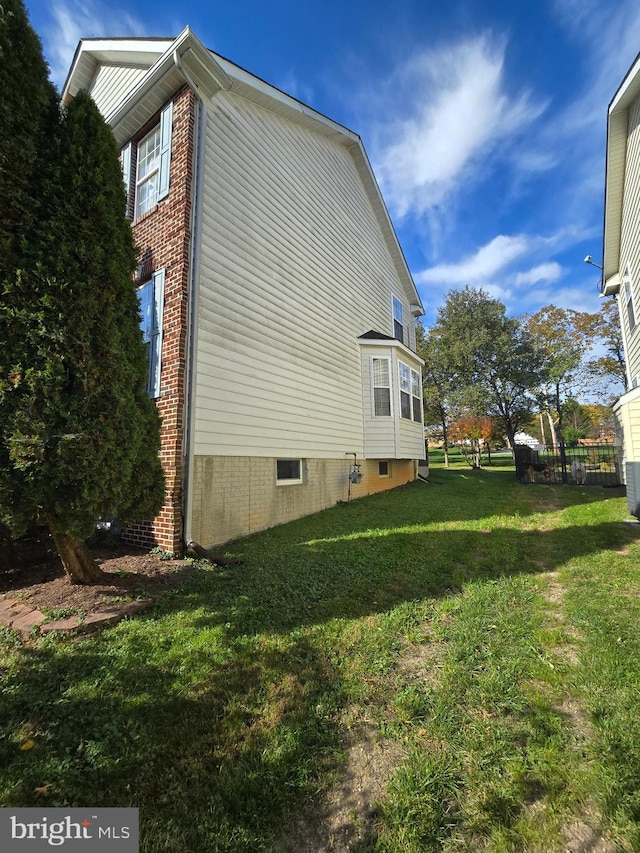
(194, 270)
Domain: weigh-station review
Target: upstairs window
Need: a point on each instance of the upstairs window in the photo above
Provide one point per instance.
(381, 387)
(151, 299)
(152, 155)
(398, 320)
(148, 172)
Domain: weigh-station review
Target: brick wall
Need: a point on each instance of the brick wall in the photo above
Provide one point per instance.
(162, 236)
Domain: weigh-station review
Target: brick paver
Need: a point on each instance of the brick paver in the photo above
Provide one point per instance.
(14, 614)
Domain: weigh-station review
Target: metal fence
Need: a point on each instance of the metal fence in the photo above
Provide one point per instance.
(590, 465)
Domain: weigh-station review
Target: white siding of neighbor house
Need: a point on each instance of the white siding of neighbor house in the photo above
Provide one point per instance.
(293, 268)
(627, 418)
(111, 84)
(630, 238)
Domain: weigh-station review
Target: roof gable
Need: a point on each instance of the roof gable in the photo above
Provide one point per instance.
(167, 65)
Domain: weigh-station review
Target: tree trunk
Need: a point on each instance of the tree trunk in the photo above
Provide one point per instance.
(544, 439)
(76, 558)
(445, 442)
(552, 428)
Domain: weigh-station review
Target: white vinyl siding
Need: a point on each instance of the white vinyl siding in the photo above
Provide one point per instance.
(630, 243)
(151, 299)
(627, 298)
(112, 83)
(293, 269)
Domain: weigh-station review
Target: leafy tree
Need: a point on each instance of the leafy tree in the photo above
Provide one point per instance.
(79, 436)
(471, 432)
(559, 335)
(603, 331)
(488, 356)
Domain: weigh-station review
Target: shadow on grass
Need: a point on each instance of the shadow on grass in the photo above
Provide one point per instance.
(218, 710)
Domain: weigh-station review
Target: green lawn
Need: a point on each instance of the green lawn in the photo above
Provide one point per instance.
(483, 632)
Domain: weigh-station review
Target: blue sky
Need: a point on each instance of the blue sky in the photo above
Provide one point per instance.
(484, 120)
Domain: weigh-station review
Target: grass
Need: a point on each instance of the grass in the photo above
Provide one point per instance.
(488, 629)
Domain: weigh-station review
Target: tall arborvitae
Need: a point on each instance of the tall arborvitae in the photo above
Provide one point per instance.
(79, 435)
(28, 109)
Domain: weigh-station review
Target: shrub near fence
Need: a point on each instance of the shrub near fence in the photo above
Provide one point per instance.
(594, 465)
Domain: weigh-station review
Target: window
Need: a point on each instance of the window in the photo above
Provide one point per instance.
(381, 387)
(148, 172)
(152, 162)
(288, 471)
(151, 299)
(405, 391)
(416, 396)
(398, 321)
(383, 468)
(410, 393)
(627, 296)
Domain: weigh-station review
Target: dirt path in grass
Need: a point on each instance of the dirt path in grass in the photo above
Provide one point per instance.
(585, 833)
(344, 816)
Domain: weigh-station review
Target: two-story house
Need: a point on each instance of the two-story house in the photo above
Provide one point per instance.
(277, 306)
(621, 262)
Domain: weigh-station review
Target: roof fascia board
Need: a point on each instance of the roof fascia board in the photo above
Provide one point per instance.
(246, 85)
(375, 196)
(90, 52)
(185, 51)
(629, 89)
(394, 344)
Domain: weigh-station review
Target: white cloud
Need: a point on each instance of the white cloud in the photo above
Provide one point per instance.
(481, 266)
(77, 19)
(551, 271)
(458, 115)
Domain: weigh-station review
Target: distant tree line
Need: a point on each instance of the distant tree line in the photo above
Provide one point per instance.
(488, 375)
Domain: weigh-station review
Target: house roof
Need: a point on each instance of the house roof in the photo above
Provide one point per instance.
(167, 64)
(617, 131)
(375, 336)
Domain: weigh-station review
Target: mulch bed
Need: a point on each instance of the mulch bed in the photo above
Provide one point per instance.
(129, 573)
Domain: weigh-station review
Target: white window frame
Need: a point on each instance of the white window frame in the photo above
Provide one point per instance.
(406, 385)
(397, 313)
(389, 386)
(152, 328)
(388, 464)
(159, 175)
(416, 399)
(629, 301)
(290, 481)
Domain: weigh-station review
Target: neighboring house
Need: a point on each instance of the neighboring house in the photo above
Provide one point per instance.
(621, 264)
(278, 309)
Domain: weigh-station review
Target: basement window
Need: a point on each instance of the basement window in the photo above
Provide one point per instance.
(288, 471)
(383, 468)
